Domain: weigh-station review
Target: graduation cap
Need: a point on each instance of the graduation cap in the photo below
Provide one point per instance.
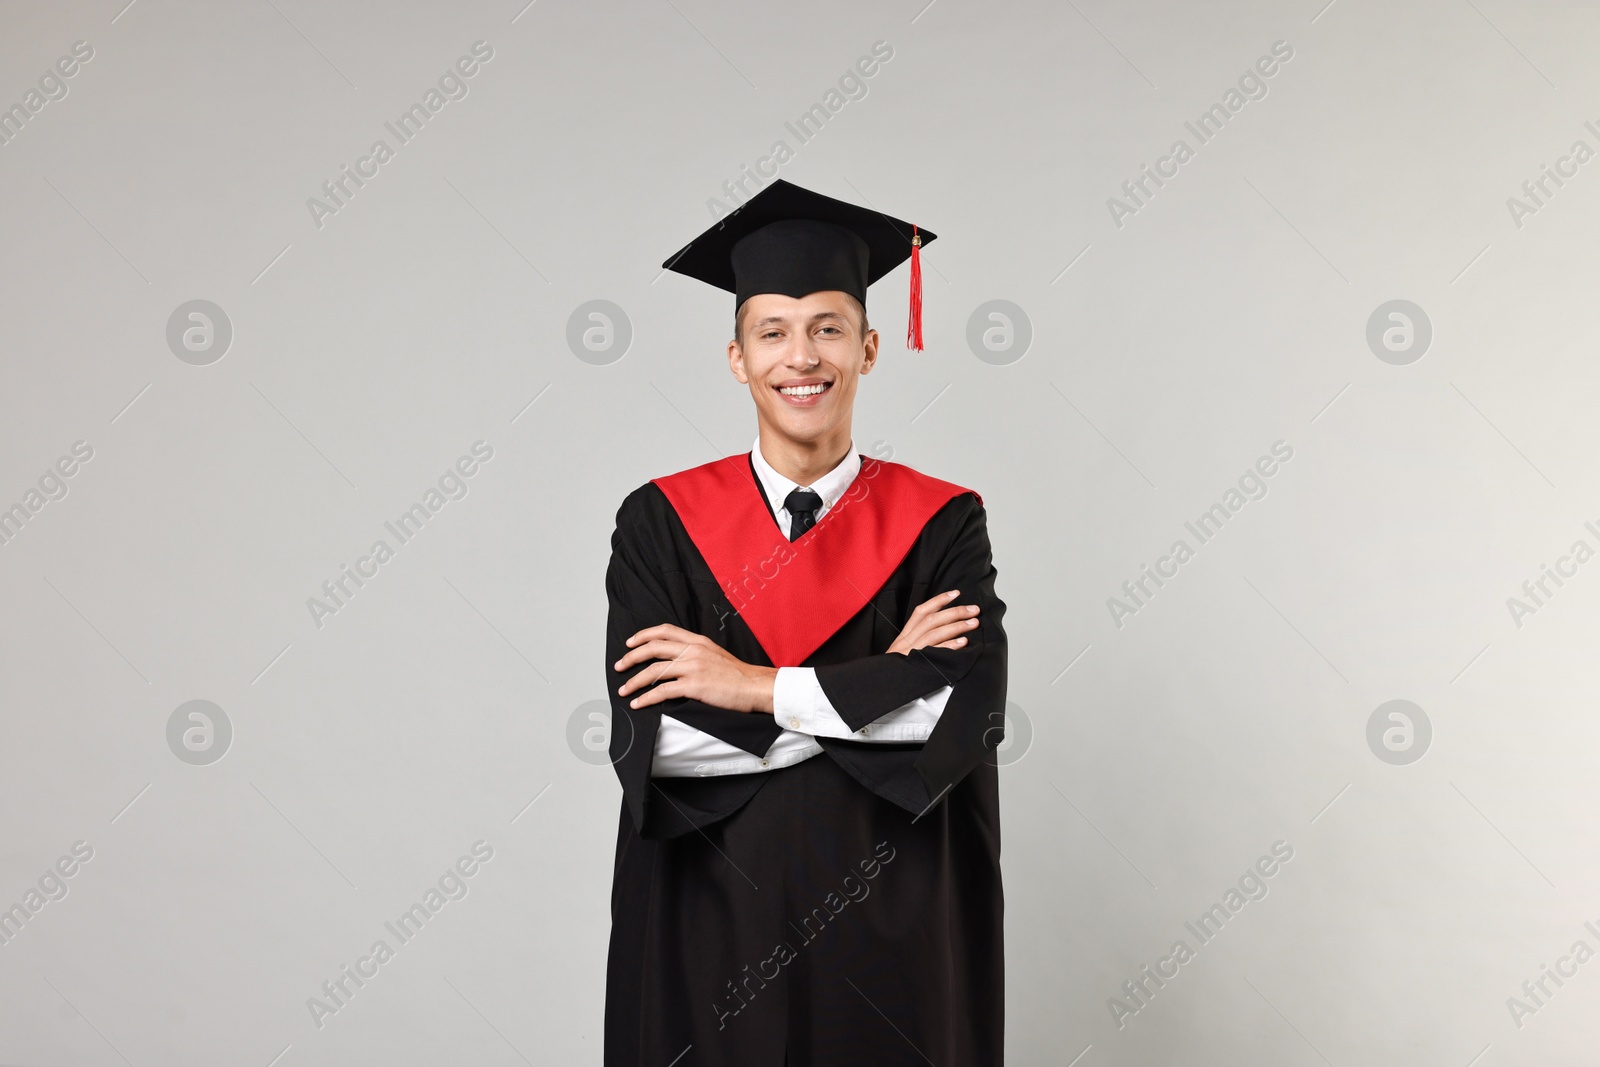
(790, 240)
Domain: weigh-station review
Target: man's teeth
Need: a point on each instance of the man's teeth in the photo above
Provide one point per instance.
(802, 390)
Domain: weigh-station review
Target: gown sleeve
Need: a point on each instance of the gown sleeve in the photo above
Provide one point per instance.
(640, 593)
(972, 721)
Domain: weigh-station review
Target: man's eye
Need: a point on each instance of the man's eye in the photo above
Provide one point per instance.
(835, 329)
(769, 333)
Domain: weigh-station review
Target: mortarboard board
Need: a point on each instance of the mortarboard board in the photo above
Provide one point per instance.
(790, 240)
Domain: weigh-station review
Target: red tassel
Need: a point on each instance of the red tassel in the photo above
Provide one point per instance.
(914, 324)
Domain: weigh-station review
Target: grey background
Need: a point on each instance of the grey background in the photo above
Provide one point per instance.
(1167, 354)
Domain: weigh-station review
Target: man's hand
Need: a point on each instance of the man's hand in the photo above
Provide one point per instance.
(696, 667)
(934, 624)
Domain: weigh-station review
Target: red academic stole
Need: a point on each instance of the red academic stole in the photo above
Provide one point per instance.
(796, 595)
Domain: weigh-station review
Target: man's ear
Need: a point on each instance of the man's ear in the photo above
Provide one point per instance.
(870, 349)
(736, 362)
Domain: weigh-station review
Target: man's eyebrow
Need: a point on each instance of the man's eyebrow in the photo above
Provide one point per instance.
(818, 317)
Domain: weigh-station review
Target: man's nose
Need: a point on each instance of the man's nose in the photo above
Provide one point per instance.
(803, 353)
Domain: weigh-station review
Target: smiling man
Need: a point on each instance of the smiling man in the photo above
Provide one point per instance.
(808, 678)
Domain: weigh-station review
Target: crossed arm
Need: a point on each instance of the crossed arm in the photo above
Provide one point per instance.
(692, 665)
(792, 695)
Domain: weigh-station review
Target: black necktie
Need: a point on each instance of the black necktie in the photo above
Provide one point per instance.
(802, 505)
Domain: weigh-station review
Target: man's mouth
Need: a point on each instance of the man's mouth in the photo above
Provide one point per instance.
(804, 392)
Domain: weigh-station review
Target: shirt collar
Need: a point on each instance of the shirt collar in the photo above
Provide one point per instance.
(830, 487)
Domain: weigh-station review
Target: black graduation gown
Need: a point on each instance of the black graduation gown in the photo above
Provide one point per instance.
(843, 910)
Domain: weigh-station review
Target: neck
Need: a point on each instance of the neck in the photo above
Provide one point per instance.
(803, 462)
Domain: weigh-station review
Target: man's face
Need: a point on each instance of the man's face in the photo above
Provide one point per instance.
(791, 347)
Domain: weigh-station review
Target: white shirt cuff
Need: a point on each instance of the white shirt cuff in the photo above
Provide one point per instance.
(685, 752)
(799, 704)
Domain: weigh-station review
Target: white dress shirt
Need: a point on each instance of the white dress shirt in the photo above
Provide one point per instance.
(798, 703)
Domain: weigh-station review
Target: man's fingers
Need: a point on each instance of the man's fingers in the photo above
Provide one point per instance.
(935, 621)
(941, 634)
(669, 662)
(936, 602)
(656, 672)
(660, 648)
(665, 630)
(931, 631)
(950, 615)
(941, 617)
(930, 605)
(664, 691)
(637, 656)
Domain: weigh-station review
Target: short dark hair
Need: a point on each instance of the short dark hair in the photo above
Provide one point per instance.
(738, 318)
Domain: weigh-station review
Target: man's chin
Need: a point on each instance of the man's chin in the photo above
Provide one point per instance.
(804, 426)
